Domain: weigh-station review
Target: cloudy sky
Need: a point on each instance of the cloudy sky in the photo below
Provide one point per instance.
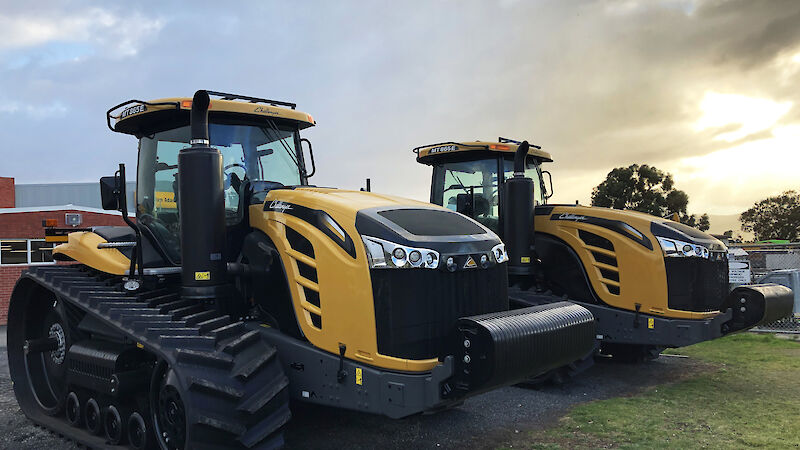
(707, 90)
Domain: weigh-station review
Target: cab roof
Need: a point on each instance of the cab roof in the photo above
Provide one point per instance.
(430, 154)
(139, 117)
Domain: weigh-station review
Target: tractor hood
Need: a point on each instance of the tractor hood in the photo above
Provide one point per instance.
(352, 214)
(637, 226)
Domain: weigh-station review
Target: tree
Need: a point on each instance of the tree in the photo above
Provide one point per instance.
(775, 217)
(647, 189)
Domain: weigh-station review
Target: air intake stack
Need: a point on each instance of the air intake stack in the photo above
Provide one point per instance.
(202, 210)
(518, 217)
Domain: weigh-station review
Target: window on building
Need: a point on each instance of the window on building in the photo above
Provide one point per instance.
(25, 251)
(41, 251)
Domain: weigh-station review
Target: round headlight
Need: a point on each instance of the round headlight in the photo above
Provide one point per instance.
(451, 264)
(415, 257)
(399, 253)
(484, 261)
(430, 258)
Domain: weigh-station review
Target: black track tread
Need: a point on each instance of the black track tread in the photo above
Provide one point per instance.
(188, 310)
(211, 324)
(201, 358)
(172, 306)
(236, 384)
(202, 384)
(228, 331)
(252, 365)
(236, 345)
(260, 433)
(222, 425)
(193, 319)
(263, 397)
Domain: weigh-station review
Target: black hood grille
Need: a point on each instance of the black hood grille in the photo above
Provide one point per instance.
(416, 309)
(696, 284)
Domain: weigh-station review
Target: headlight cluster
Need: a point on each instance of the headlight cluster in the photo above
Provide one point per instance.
(388, 255)
(500, 254)
(680, 249)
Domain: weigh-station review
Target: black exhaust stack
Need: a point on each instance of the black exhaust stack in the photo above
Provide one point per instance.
(518, 217)
(202, 210)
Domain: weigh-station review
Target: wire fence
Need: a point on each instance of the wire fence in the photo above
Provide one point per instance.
(773, 263)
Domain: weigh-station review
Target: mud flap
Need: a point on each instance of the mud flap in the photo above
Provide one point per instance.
(757, 304)
(502, 348)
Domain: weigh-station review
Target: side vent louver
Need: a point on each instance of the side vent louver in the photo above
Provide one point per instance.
(302, 253)
(604, 259)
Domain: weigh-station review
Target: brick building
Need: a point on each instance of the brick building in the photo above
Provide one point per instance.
(22, 241)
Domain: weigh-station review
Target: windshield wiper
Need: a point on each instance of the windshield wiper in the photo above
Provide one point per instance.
(461, 184)
(282, 141)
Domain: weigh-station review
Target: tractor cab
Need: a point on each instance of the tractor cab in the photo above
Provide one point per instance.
(259, 140)
(467, 176)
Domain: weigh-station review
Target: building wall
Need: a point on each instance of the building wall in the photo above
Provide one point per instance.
(28, 225)
(7, 193)
(78, 194)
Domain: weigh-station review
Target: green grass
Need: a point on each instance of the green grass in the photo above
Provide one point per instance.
(748, 395)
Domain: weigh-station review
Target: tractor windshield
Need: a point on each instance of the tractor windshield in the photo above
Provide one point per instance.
(253, 153)
(471, 187)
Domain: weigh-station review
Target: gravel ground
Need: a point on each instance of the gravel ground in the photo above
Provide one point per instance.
(487, 421)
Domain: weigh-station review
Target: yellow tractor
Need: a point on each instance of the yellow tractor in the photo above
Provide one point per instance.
(651, 283)
(239, 286)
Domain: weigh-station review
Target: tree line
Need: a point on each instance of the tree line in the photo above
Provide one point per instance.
(646, 189)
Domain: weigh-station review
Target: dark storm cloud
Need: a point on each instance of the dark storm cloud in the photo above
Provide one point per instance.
(599, 84)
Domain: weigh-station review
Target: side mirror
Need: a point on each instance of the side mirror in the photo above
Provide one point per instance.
(464, 204)
(548, 192)
(311, 155)
(110, 193)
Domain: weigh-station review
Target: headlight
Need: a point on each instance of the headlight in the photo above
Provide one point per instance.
(383, 254)
(681, 249)
(500, 254)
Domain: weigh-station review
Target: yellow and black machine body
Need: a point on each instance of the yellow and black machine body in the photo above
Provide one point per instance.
(239, 286)
(651, 283)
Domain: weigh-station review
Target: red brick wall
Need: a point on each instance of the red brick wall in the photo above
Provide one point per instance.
(8, 277)
(6, 192)
(28, 225)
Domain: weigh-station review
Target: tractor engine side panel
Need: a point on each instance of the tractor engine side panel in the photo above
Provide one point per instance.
(328, 275)
(620, 257)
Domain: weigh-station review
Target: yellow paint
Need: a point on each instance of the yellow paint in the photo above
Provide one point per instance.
(346, 303)
(82, 247)
(359, 379)
(525, 259)
(166, 200)
(425, 156)
(651, 323)
(130, 122)
(641, 271)
(202, 276)
(139, 345)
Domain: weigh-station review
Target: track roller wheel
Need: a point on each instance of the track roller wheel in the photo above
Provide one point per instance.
(112, 424)
(94, 421)
(73, 409)
(39, 337)
(168, 410)
(137, 432)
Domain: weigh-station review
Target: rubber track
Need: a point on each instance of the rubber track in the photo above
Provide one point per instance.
(234, 390)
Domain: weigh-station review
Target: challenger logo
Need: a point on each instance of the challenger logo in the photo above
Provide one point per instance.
(470, 264)
(279, 206)
(567, 216)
